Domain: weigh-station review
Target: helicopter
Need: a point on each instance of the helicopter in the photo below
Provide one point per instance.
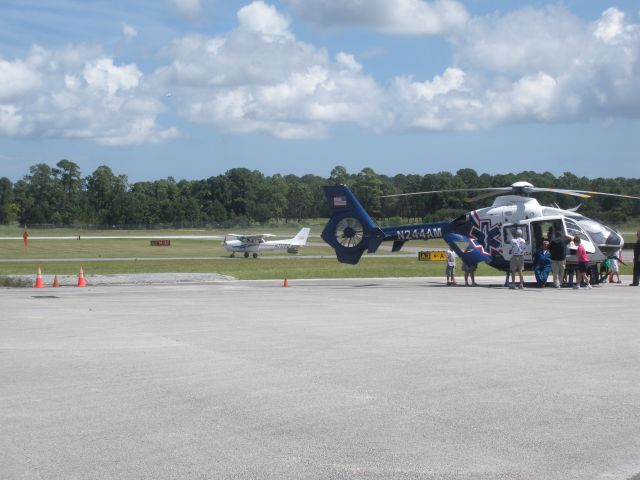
(481, 235)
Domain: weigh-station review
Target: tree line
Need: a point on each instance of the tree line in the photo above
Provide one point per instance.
(61, 196)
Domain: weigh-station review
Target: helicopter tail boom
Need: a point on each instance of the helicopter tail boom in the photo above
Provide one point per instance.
(351, 231)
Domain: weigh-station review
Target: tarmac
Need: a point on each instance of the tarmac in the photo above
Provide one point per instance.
(211, 378)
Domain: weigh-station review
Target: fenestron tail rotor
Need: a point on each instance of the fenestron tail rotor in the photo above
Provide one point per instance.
(349, 232)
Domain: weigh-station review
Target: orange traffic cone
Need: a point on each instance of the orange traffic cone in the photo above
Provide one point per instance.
(285, 283)
(81, 281)
(39, 281)
(56, 283)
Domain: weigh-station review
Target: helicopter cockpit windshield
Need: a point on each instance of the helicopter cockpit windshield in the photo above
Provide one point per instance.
(575, 230)
(600, 233)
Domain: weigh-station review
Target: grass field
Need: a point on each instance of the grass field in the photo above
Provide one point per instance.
(299, 267)
(136, 255)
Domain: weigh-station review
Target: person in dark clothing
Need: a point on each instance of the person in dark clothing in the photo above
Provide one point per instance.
(558, 253)
(636, 262)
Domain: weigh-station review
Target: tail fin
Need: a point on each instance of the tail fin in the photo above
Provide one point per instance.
(350, 230)
(300, 240)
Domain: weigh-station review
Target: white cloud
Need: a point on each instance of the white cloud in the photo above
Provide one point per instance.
(529, 65)
(17, 78)
(410, 17)
(103, 75)
(522, 42)
(11, 121)
(77, 92)
(140, 130)
(259, 78)
(349, 61)
(264, 19)
(546, 65)
(451, 80)
(611, 27)
(128, 31)
(188, 9)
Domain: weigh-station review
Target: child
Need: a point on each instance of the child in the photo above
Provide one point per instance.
(605, 270)
(451, 267)
(614, 263)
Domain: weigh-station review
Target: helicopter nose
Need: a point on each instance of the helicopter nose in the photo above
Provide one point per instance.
(614, 239)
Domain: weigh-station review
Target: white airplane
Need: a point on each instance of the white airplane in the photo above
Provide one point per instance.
(252, 244)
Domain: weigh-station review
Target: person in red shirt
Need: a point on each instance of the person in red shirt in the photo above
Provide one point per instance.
(583, 264)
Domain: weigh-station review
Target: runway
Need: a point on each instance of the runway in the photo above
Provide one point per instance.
(325, 379)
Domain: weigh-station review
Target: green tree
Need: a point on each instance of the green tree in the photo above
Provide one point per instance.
(368, 187)
(339, 175)
(38, 196)
(107, 196)
(70, 185)
(7, 206)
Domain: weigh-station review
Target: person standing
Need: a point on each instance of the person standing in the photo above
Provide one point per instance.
(451, 267)
(583, 264)
(516, 264)
(636, 261)
(469, 271)
(558, 250)
(614, 264)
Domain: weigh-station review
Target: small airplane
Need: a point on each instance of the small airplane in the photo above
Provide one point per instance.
(252, 244)
(481, 235)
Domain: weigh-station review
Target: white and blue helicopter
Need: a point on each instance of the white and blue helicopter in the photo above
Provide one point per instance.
(481, 235)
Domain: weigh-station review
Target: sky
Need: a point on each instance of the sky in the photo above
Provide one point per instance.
(193, 88)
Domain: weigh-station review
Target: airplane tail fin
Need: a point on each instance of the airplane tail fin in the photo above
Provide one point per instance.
(350, 230)
(300, 240)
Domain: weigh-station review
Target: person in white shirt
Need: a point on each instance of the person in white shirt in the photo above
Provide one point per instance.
(516, 264)
(451, 267)
(614, 263)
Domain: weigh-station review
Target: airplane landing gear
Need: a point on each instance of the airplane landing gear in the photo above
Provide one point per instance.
(255, 255)
(246, 254)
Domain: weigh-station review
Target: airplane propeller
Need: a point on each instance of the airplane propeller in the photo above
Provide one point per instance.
(517, 188)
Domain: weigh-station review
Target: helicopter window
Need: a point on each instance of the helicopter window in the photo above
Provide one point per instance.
(577, 216)
(595, 229)
(510, 232)
(574, 230)
(462, 219)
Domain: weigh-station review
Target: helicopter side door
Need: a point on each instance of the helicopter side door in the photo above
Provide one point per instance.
(509, 232)
(541, 230)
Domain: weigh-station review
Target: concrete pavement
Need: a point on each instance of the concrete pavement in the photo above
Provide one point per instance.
(325, 379)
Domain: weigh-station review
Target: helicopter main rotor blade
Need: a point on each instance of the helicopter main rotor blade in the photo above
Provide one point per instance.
(498, 190)
(518, 188)
(574, 193)
(586, 192)
(486, 195)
